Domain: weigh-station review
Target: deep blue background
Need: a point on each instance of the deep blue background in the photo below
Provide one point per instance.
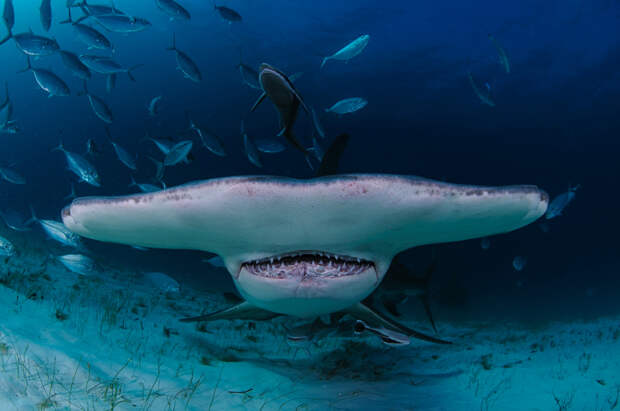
(556, 120)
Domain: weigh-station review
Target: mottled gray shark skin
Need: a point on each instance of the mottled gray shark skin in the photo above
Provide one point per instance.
(306, 247)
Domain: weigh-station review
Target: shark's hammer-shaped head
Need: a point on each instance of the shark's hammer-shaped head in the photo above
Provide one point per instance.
(306, 247)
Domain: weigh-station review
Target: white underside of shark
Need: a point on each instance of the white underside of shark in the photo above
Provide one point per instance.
(306, 247)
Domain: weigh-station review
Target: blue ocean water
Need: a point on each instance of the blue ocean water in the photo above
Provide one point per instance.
(554, 124)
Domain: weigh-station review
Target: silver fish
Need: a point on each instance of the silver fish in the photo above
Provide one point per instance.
(11, 176)
(80, 167)
(124, 156)
(185, 63)
(78, 263)
(210, 140)
(92, 38)
(57, 231)
(163, 145)
(269, 146)
(163, 281)
(100, 108)
(105, 65)
(7, 249)
(350, 50)
(484, 97)
(348, 105)
(178, 153)
(153, 106)
(10, 127)
(48, 81)
(122, 23)
(45, 13)
(559, 203)
(75, 66)
(251, 151)
(173, 9)
(31, 44)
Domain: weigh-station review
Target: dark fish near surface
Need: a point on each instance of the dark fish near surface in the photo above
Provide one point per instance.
(285, 97)
(185, 63)
(45, 12)
(8, 15)
(100, 108)
(122, 23)
(31, 44)
(73, 63)
(173, 9)
(48, 81)
(228, 14)
(105, 65)
(92, 38)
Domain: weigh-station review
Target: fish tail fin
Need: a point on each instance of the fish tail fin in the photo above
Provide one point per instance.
(28, 66)
(132, 68)
(323, 62)
(33, 218)
(133, 181)
(173, 45)
(9, 33)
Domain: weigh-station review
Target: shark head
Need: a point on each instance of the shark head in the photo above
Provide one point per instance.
(306, 247)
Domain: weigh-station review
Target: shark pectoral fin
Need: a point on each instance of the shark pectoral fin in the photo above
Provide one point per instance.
(374, 319)
(258, 101)
(243, 311)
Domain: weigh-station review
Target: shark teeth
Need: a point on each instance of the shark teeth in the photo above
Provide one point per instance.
(307, 264)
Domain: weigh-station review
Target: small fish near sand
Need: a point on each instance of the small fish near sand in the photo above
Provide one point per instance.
(78, 263)
(349, 51)
(347, 106)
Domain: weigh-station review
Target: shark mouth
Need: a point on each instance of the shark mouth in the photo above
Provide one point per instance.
(307, 265)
